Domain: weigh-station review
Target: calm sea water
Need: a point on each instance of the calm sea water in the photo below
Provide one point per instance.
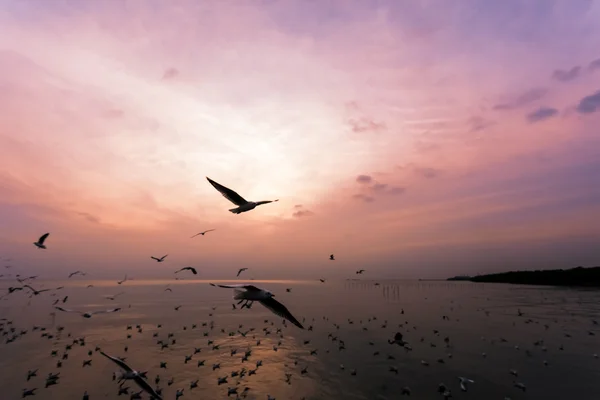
(481, 318)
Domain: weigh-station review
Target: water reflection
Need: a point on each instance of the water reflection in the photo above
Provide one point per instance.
(351, 323)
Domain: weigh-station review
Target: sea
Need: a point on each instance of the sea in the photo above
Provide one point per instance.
(497, 335)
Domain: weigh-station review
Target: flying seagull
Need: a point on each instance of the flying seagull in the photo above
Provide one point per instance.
(159, 259)
(360, 271)
(136, 376)
(40, 243)
(241, 270)
(243, 205)
(89, 314)
(76, 272)
(203, 233)
(264, 297)
(332, 257)
(189, 269)
(113, 296)
(124, 279)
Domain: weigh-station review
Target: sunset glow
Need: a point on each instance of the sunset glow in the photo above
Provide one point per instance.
(410, 138)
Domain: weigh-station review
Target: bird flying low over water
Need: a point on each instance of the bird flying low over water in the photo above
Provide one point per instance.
(243, 204)
(89, 314)
(159, 259)
(40, 242)
(264, 297)
(189, 269)
(202, 233)
(241, 270)
(130, 373)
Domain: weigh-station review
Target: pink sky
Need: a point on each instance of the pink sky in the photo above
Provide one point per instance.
(410, 138)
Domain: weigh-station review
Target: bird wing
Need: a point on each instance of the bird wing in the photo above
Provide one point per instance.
(66, 310)
(106, 311)
(210, 230)
(163, 257)
(228, 193)
(193, 270)
(279, 309)
(43, 238)
(154, 258)
(195, 235)
(29, 287)
(147, 388)
(247, 287)
(120, 363)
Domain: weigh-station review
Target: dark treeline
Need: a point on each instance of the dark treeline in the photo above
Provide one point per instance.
(558, 277)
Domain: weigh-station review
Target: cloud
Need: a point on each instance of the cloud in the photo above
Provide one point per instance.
(594, 65)
(303, 213)
(364, 197)
(396, 190)
(477, 123)
(427, 172)
(170, 73)
(364, 179)
(379, 187)
(541, 114)
(366, 125)
(562, 75)
(89, 217)
(589, 104)
(523, 99)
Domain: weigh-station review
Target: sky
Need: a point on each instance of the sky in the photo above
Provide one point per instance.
(414, 139)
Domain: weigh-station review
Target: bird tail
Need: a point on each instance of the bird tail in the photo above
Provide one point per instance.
(235, 210)
(238, 294)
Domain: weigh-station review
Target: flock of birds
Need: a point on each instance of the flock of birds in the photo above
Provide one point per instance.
(245, 295)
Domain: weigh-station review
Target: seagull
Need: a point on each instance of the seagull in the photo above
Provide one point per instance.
(159, 259)
(464, 382)
(89, 314)
(264, 297)
(189, 269)
(75, 273)
(124, 279)
(134, 375)
(202, 233)
(332, 257)
(113, 296)
(35, 292)
(360, 271)
(241, 270)
(243, 205)
(41, 240)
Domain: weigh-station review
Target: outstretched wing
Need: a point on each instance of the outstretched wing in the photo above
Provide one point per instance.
(147, 388)
(117, 361)
(247, 287)
(43, 238)
(228, 193)
(154, 258)
(279, 309)
(66, 309)
(106, 311)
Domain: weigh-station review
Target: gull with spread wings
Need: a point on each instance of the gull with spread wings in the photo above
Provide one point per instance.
(40, 242)
(130, 373)
(242, 204)
(159, 259)
(264, 297)
(89, 314)
(203, 233)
